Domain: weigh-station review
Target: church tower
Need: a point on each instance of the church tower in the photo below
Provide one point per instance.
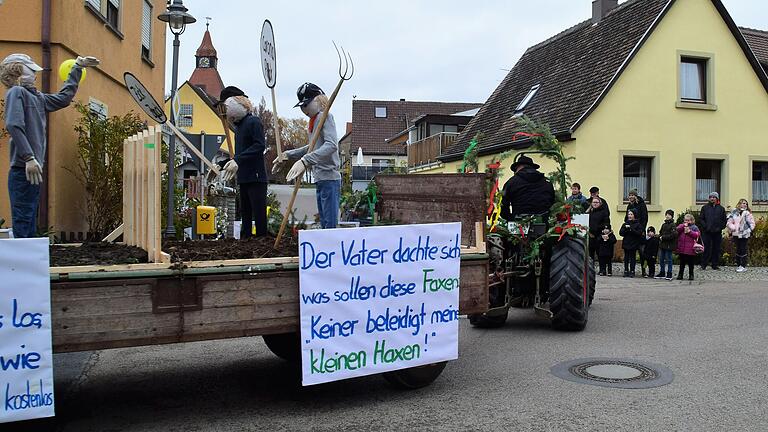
(206, 76)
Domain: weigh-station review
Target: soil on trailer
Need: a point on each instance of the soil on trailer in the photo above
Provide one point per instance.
(210, 250)
(96, 254)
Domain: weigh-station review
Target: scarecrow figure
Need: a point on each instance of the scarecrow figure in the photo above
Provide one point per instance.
(248, 161)
(323, 159)
(25, 120)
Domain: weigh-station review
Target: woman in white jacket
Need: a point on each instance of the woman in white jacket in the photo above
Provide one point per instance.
(741, 223)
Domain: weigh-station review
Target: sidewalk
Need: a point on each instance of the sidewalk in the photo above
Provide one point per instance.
(725, 274)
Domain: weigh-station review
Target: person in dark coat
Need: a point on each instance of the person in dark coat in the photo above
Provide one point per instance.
(650, 252)
(248, 161)
(633, 234)
(528, 191)
(605, 242)
(667, 244)
(638, 207)
(598, 219)
(594, 191)
(712, 221)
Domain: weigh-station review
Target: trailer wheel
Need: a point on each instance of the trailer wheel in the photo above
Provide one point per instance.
(287, 346)
(569, 285)
(484, 321)
(415, 377)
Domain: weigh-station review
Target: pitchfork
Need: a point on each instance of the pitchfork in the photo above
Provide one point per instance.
(346, 70)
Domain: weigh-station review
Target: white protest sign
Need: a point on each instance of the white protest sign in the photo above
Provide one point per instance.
(26, 356)
(378, 299)
(268, 54)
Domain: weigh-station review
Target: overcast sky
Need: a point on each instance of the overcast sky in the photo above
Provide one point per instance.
(449, 50)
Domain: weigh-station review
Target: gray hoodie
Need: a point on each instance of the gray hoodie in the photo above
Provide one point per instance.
(25, 110)
(324, 159)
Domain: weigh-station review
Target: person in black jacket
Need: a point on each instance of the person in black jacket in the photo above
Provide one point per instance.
(633, 234)
(528, 191)
(248, 162)
(667, 244)
(605, 242)
(594, 191)
(712, 221)
(638, 207)
(598, 219)
(650, 252)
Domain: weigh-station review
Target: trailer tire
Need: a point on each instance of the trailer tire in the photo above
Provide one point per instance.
(483, 321)
(287, 346)
(415, 377)
(569, 288)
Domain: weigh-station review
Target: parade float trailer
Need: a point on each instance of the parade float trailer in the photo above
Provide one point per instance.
(160, 302)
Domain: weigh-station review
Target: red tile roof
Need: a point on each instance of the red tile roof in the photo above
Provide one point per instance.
(209, 80)
(758, 41)
(370, 132)
(206, 48)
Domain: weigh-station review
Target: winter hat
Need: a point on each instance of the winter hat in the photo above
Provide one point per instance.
(594, 189)
(631, 211)
(633, 192)
(670, 212)
(714, 194)
(228, 92)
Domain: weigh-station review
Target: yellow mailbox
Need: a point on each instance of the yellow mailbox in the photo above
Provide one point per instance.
(206, 220)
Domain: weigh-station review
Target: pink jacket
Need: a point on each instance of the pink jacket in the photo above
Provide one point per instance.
(685, 241)
(741, 224)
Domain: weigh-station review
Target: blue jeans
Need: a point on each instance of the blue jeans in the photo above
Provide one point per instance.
(24, 200)
(665, 258)
(327, 192)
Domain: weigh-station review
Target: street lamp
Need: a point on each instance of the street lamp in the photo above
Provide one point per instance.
(177, 18)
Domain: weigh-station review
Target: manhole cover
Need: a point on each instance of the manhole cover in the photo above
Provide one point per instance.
(619, 373)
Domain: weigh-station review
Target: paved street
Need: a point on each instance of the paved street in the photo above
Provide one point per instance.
(711, 334)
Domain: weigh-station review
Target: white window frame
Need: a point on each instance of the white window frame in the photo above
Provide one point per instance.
(380, 112)
(709, 104)
(527, 99)
(146, 28)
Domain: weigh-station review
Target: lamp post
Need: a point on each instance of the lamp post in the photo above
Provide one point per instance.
(177, 18)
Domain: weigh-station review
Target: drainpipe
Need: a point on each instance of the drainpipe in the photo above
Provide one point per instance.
(45, 41)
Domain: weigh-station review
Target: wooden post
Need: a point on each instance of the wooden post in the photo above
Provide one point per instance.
(276, 123)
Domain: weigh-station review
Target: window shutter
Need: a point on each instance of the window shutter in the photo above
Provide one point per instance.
(146, 26)
(115, 3)
(95, 3)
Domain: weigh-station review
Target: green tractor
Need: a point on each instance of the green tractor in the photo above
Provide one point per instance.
(541, 262)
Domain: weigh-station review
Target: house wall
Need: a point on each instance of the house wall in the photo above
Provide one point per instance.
(639, 117)
(203, 117)
(368, 159)
(21, 31)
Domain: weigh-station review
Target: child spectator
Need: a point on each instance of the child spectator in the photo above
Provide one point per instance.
(688, 234)
(632, 232)
(741, 223)
(605, 250)
(651, 251)
(667, 244)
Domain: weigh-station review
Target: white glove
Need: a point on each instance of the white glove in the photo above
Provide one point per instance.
(296, 170)
(88, 61)
(230, 170)
(34, 172)
(277, 164)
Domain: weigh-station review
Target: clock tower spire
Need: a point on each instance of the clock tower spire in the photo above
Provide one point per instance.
(206, 75)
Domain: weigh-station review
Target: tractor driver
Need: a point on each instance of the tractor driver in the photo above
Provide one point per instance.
(528, 191)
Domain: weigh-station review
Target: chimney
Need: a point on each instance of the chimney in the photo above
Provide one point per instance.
(600, 9)
(402, 100)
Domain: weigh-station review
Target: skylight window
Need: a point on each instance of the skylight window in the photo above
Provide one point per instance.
(527, 99)
(380, 112)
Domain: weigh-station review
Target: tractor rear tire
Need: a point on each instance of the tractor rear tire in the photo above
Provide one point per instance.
(569, 287)
(483, 321)
(592, 281)
(415, 377)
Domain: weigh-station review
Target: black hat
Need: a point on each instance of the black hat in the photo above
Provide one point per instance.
(228, 92)
(306, 93)
(523, 160)
(594, 189)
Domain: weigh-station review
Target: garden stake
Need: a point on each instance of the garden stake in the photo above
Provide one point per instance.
(346, 70)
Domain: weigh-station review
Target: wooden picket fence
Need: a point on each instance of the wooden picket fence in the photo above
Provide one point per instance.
(142, 192)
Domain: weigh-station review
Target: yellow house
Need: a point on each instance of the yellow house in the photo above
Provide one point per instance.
(664, 96)
(125, 36)
(198, 95)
